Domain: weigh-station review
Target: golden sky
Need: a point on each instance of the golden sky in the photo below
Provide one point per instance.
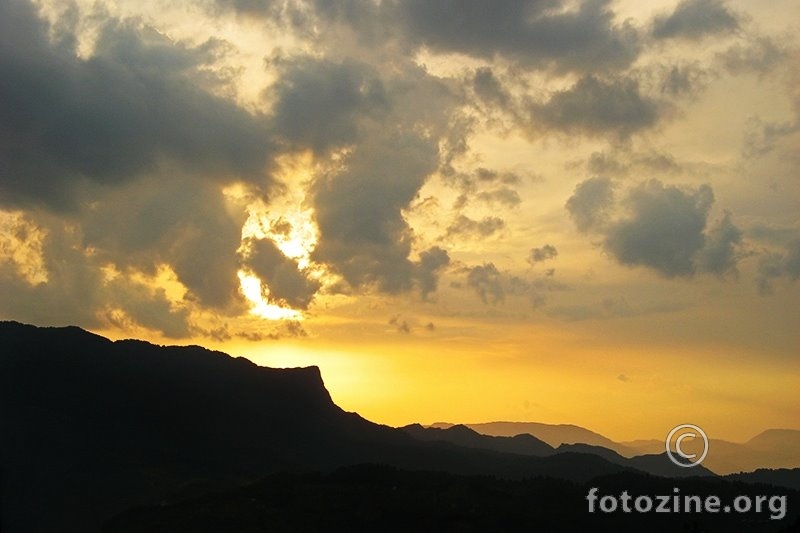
(559, 211)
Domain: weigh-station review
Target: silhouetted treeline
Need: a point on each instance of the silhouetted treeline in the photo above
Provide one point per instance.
(382, 498)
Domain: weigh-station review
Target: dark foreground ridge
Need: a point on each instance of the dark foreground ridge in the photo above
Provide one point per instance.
(92, 429)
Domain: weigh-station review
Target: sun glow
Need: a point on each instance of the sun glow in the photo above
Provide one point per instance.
(252, 290)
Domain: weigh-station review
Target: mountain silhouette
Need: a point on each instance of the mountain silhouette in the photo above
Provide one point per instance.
(553, 434)
(773, 448)
(461, 435)
(526, 444)
(92, 429)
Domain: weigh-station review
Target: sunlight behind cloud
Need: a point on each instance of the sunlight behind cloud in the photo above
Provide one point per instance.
(252, 290)
(21, 244)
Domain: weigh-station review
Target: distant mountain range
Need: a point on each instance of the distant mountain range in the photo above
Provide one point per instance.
(526, 444)
(91, 429)
(773, 448)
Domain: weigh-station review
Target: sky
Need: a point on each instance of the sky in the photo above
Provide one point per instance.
(562, 211)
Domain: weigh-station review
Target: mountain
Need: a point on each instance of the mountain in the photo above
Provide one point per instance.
(525, 444)
(461, 435)
(91, 427)
(553, 434)
(774, 448)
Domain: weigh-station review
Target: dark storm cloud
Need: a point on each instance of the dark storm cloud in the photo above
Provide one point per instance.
(540, 33)
(694, 19)
(71, 293)
(76, 291)
(286, 283)
(776, 265)
(718, 255)
(468, 227)
(546, 252)
(146, 307)
(597, 107)
(489, 88)
(320, 104)
(391, 128)
(664, 229)
(358, 209)
(487, 281)
(589, 204)
(66, 122)
(179, 222)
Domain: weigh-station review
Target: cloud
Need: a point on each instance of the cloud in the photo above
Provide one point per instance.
(695, 19)
(181, 222)
(321, 104)
(146, 307)
(474, 185)
(77, 291)
(680, 80)
(358, 209)
(664, 229)
(542, 34)
(488, 87)
(718, 255)
(761, 54)
(622, 164)
(403, 326)
(601, 163)
(761, 137)
(505, 196)
(486, 280)
(565, 36)
(593, 107)
(589, 204)
(613, 307)
(70, 122)
(546, 252)
(431, 262)
(775, 265)
(466, 226)
(285, 329)
(286, 283)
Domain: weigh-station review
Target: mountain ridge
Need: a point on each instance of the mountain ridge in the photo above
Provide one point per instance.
(91, 427)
